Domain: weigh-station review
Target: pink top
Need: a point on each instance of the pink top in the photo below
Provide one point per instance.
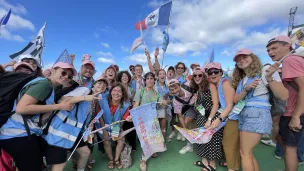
(178, 105)
(293, 67)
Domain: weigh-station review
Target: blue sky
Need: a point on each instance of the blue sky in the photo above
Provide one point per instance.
(105, 29)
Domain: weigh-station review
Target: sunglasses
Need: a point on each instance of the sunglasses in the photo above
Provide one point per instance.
(215, 72)
(180, 67)
(30, 61)
(132, 69)
(64, 73)
(199, 75)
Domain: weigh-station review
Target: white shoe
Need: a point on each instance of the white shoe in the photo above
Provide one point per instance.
(183, 139)
(187, 148)
(179, 137)
(278, 157)
(269, 142)
(172, 135)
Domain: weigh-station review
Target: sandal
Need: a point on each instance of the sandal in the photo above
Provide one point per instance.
(111, 165)
(118, 164)
(201, 164)
(223, 164)
(211, 168)
(155, 155)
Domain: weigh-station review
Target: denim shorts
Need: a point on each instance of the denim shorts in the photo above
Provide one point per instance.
(290, 137)
(256, 120)
(190, 113)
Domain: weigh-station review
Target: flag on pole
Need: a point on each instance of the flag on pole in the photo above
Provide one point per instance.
(137, 42)
(210, 59)
(159, 17)
(64, 57)
(4, 19)
(165, 41)
(87, 136)
(35, 47)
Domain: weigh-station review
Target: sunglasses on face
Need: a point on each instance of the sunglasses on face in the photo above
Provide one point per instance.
(64, 73)
(30, 61)
(180, 67)
(199, 75)
(215, 72)
(132, 69)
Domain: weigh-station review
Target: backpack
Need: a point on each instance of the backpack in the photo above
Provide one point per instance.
(125, 156)
(11, 84)
(277, 105)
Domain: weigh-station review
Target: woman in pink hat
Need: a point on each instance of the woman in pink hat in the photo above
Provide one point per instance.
(36, 99)
(252, 100)
(226, 94)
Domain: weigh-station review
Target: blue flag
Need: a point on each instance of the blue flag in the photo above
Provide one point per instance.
(64, 57)
(5, 18)
(165, 41)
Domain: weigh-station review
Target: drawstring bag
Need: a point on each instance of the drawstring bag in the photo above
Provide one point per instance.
(125, 156)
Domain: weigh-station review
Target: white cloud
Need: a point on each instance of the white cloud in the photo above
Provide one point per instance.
(105, 54)
(106, 45)
(138, 57)
(196, 54)
(48, 66)
(224, 22)
(20, 9)
(96, 35)
(105, 60)
(226, 53)
(5, 34)
(17, 22)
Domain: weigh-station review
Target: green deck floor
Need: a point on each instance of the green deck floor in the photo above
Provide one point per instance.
(171, 160)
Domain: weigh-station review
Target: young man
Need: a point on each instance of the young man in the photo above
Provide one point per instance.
(182, 99)
(292, 122)
(139, 82)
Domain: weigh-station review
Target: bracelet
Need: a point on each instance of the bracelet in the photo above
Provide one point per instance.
(209, 119)
(220, 118)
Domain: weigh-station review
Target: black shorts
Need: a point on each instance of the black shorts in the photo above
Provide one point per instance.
(26, 152)
(289, 137)
(81, 144)
(53, 154)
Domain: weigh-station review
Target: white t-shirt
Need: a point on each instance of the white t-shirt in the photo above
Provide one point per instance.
(261, 87)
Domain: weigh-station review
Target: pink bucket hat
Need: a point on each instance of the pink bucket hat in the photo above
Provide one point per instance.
(244, 51)
(214, 65)
(198, 70)
(18, 64)
(86, 60)
(65, 66)
(102, 78)
(172, 82)
(285, 39)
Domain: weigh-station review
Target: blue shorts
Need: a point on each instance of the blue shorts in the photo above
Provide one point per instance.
(256, 120)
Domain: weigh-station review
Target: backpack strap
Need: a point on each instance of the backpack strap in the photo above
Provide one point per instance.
(293, 85)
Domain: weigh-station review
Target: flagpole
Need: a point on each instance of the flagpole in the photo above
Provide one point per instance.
(41, 64)
(142, 34)
(163, 56)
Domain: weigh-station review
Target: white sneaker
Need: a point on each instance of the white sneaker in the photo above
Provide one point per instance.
(179, 137)
(183, 138)
(269, 142)
(172, 135)
(278, 157)
(187, 148)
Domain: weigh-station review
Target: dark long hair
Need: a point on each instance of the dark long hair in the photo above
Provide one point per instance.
(203, 86)
(119, 76)
(124, 97)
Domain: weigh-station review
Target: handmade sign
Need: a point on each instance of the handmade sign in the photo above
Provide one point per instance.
(148, 130)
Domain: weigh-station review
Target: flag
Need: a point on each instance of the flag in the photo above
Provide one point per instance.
(165, 41)
(210, 59)
(64, 57)
(87, 134)
(159, 17)
(137, 42)
(35, 47)
(5, 19)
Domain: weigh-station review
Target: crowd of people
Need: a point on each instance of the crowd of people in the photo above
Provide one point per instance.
(254, 101)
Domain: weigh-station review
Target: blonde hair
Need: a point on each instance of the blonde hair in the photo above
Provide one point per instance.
(255, 69)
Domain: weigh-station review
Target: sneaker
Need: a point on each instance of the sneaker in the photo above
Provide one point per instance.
(172, 135)
(183, 139)
(269, 142)
(278, 157)
(187, 148)
(301, 163)
(179, 137)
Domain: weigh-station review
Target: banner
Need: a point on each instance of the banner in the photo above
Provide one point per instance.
(148, 130)
(199, 135)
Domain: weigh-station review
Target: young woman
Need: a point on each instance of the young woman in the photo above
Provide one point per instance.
(116, 108)
(144, 96)
(27, 112)
(124, 77)
(180, 69)
(163, 90)
(231, 141)
(255, 118)
(34, 62)
(110, 75)
(207, 98)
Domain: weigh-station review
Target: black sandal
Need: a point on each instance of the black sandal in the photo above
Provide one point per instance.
(201, 164)
(223, 164)
(211, 168)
